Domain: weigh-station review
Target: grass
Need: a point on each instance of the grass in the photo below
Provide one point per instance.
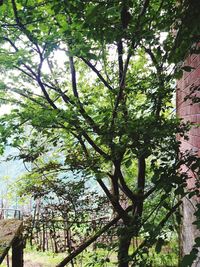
(45, 259)
(34, 258)
(99, 258)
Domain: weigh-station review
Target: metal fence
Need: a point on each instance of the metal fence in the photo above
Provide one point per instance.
(10, 214)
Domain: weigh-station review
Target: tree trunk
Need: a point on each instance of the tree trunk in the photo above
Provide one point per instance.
(43, 236)
(54, 238)
(47, 235)
(124, 244)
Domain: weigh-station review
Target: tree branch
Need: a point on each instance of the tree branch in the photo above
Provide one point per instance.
(73, 75)
(120, 61)
(79, 138)
(125, 188)
(25, 65)
(141, 184)
(91, 240)
(115, 203)
(21, 25)
(92, 143)
(80, 105)
(156, 231)
(40, 83)
(144, 7)
(28, 97)
(120, 93)
(89, 64)
(160, 79)
(49, 100)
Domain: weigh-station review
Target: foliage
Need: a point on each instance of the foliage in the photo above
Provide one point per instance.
(94, 80)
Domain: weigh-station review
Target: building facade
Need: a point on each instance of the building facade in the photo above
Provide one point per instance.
(189, 112)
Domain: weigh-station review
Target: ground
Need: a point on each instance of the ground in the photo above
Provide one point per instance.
(37, 259)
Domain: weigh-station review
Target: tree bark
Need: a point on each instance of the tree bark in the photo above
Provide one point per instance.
(124, 244)
(43, 236)
(54, 238)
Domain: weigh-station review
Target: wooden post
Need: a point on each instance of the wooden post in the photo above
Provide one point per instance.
(10, 236)
(17, 252)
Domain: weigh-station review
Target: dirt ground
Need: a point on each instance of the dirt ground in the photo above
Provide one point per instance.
(28, 263)
(33, 258)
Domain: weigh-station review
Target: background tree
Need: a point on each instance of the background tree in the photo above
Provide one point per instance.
(96, 79)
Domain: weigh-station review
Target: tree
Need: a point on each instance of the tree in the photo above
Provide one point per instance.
(107, 103)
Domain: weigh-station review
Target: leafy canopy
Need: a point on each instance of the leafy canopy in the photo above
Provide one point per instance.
(94, 80)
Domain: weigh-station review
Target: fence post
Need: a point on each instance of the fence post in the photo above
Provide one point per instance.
(17, 252)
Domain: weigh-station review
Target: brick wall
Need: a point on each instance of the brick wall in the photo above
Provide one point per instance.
(189, 113)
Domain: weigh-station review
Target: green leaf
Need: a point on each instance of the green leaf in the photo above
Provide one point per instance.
(197, 241)
(187, 68)
(188, 260)
(178, 75)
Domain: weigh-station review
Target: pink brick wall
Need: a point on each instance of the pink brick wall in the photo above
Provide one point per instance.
(184, 108)
(189, 113)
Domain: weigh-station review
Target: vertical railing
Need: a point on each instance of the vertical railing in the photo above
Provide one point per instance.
(10, 214)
